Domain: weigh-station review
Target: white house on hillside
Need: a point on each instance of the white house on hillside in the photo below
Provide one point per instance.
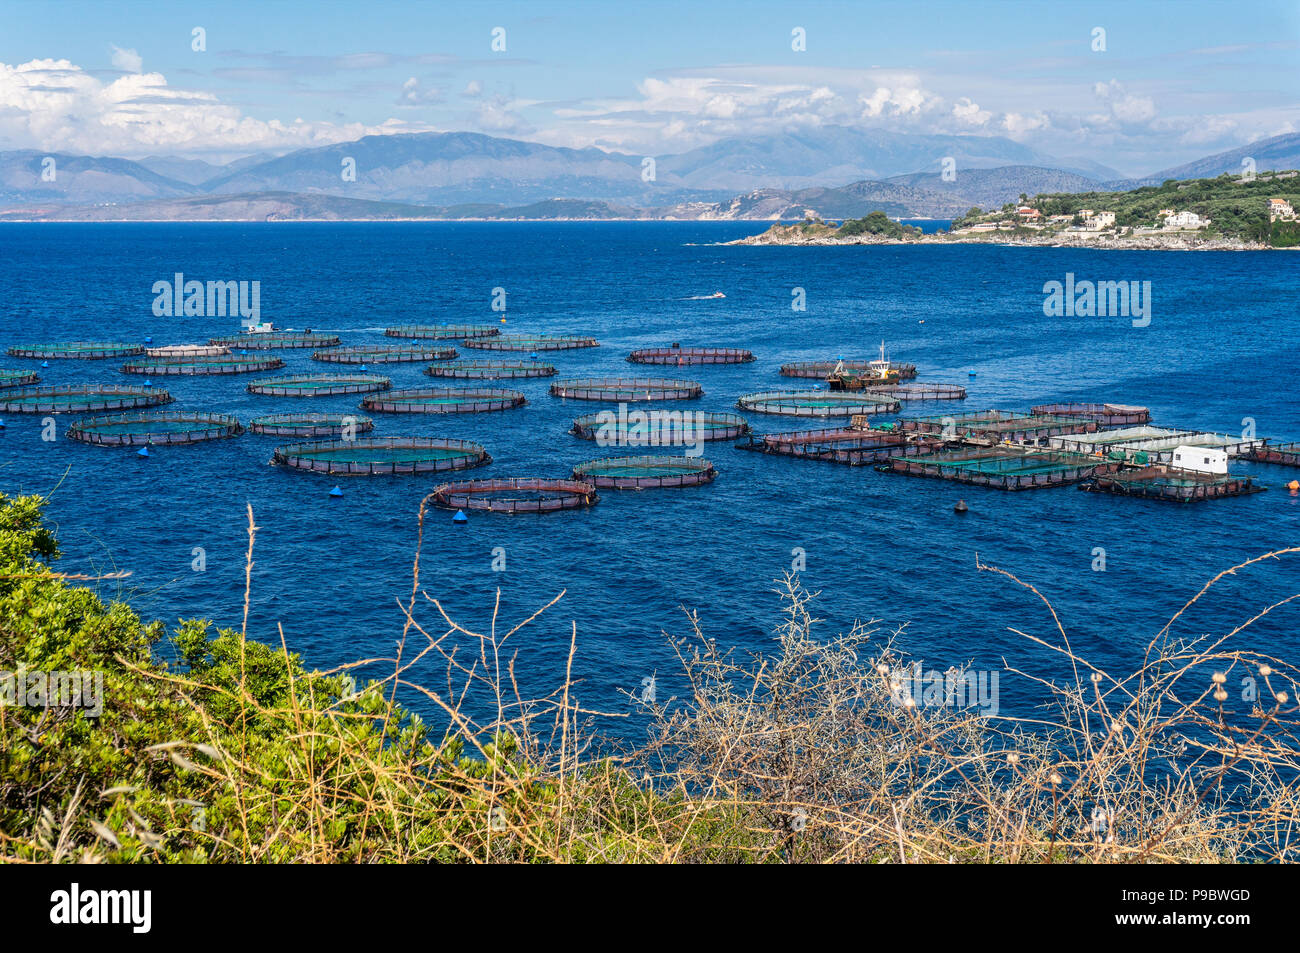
(1185, 220)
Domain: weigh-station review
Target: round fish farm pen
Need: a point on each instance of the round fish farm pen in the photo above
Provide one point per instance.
(382, 456)
(232, 364)
(822, 369)
(1106, 415)
(531, 342)
(81, 399)
(444, 400)
(17, 378)
(310, 425)
(645, 473)
(442, 332)
(658, 428)
(681, 356)
(384, 354)
(187, 350)
(626, 389)
(919, 391)
(84, 350)
(514, 495)
(267, 340)
(490, 370)
(153, 429)
(853, 446)
(319, 385)
(816, 403)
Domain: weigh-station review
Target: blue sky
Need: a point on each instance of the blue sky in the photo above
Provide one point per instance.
(1175, 81)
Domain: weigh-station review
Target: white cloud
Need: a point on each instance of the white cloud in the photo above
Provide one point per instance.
(473, 89)
(128, 60)
(56, 106)
(1123, 106)
(413, 94)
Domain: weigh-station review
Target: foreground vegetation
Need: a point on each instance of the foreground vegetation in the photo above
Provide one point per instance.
(214, 748)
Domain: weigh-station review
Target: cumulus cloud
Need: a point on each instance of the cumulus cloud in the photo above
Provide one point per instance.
(473, 89)
(413, 94)
(127, 60)
(1123, 106)
(57, 106)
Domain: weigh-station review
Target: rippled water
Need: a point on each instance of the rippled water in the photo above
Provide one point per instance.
(1221, 347)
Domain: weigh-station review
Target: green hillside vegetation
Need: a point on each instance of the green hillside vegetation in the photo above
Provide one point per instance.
(1236, 208)
(877, 223)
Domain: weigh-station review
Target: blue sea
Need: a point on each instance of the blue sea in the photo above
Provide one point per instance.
(332, 574)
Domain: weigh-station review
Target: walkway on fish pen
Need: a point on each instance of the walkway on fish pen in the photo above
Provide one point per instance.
(997, 425)
(1003, 468)
(1172, 485)
(1107, 415)
(1283, 454)
(853, 446)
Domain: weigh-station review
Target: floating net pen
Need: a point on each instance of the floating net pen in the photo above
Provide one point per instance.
(645, 473)
(156, 428)
(444, 400)
(490, 370)
(81, 398)
(310, 425)
(1106, 415)
(658, 428)
(12, 378)
(817, 403)
(201, 366)
(265, 340)
(442, 332)
(514, 495)
(681, 356)
(319, 385)
(382, 354)
(626, 389)
(530, 342)
(83, 350)
(382, 456)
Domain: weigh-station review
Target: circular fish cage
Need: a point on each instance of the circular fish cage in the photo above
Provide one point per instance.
(658, 428)
(384, 354)
(172, 351)
(382, 456)
(681, 356)
(319, 385)
(514, 495)
(268, 340)
(530, 342)
(443, 332)
(444, 400)
(232, 364)
(10, 378)
(822, 369)
(817, 403)
(490, 370)
(626, 389)
(153, 429)
(81, 398)
(1106, 415)
(83, 350)
(645, 473)
(310, 425)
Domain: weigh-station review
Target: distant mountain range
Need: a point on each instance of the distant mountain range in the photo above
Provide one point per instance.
(469, 175)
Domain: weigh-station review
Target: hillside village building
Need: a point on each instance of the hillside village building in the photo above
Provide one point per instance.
(1280, 210)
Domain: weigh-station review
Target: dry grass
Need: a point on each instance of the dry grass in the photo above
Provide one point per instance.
(807, 753)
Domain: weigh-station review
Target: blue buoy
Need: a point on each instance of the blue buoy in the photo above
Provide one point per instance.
(972, 373)
(148, 383)
(533, 355)
(45, 363)
(2, 425)
(363, 368)
(142, 452)
(336, 492)
(460, 517)
(148, 340)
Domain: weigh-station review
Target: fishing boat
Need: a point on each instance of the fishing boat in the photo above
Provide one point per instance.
(877, 373)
